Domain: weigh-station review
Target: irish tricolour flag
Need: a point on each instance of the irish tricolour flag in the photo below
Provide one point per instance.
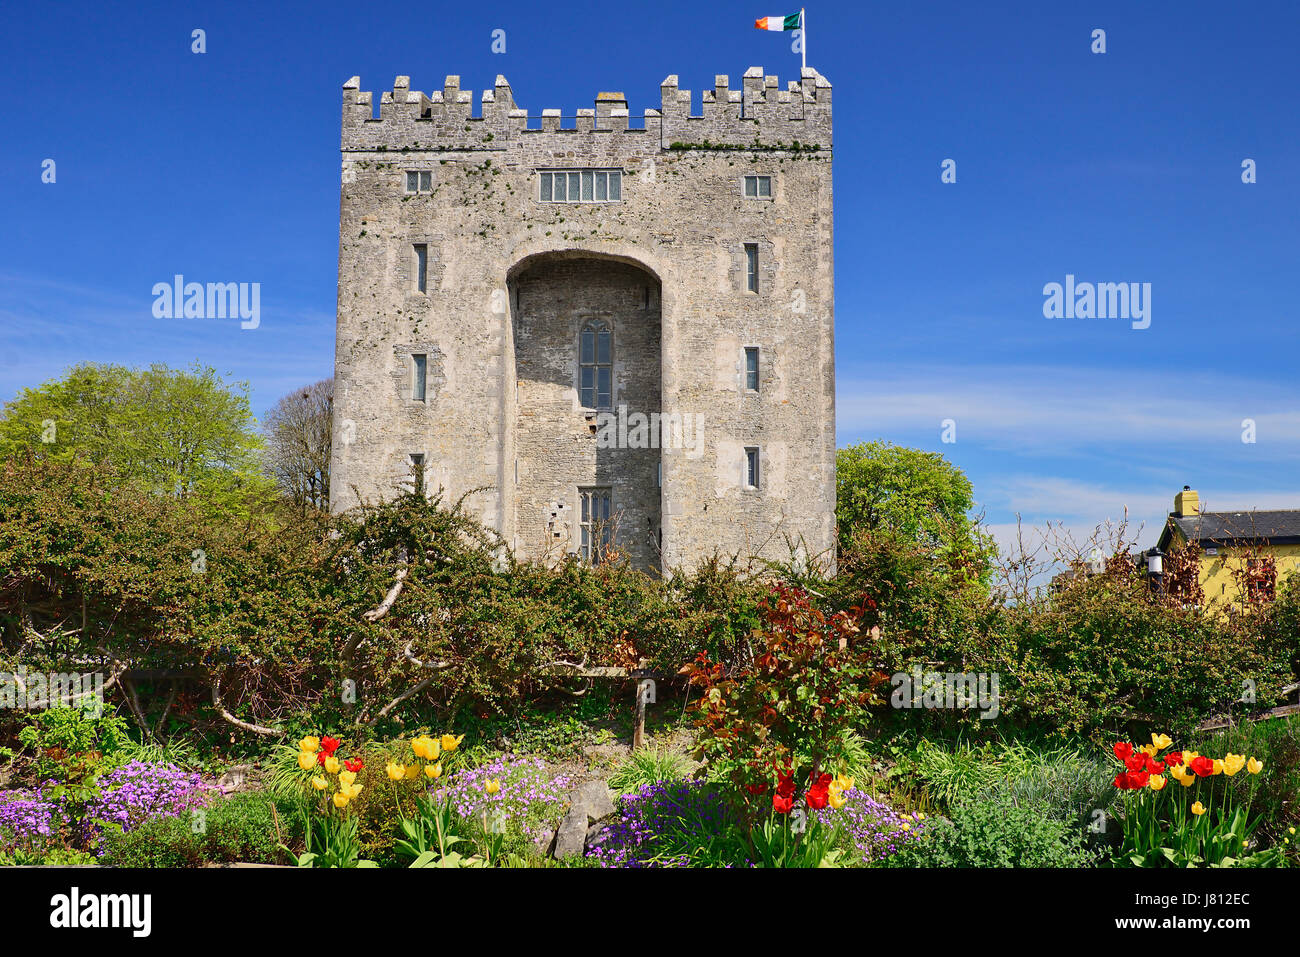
(779, 23)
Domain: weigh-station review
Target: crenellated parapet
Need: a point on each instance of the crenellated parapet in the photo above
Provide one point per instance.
(758, 113)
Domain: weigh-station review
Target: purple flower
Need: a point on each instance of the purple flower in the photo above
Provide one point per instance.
(530, 799)
(139, 792)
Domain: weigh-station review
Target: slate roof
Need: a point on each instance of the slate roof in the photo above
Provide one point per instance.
(1278, 527)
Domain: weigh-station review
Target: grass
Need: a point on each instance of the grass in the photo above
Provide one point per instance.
(647, 767)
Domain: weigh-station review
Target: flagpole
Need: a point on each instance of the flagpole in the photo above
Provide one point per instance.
(803, 35)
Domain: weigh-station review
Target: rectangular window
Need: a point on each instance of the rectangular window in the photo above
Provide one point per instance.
(758, 187)
(595, 367)
(596, 528)
(421, 266)
(419, 374)
(751, 368)
(419, 180)
(580, 186)
(417, 472)
(751, 267)
(751, 468)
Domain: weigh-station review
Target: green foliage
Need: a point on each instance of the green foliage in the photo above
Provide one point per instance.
(794, 705)
(1275, 792)
(776, 843)
(646, 767)
(430, 838)
(73, 748)
(331, 842)
(184, 432)
(1062, 782)
(249, 827)
(911, 495)
(159, 842)
(1103, 652)
(996, 833)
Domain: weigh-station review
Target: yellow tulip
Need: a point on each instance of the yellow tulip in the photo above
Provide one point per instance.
(843, 783)
(395, 771)
(433, 770)
(1149, 749)
(1254, 767)
(306, 760)
(332, 764)
(1218, 766)
(492, 787)
(1198, 808)
(425, 747)
(412, 772)
(347, 777)
(1232, 763)
(450, 742)
(1190, 756)
(340, 801)
(319, 782)
(835, 797)
(352, 790)
(1161, 741)
(1156, 782)
(309, 744)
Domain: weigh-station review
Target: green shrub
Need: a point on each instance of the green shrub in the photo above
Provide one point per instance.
(996, 833)
(72, 747)
(249, 827)
(647, 767)
(160, 842)
(243, 828)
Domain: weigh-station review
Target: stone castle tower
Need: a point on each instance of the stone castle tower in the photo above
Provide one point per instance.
(603, 333)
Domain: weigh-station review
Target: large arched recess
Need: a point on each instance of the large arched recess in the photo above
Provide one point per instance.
(554, 440)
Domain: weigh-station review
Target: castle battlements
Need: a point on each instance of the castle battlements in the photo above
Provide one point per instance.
(758, 113)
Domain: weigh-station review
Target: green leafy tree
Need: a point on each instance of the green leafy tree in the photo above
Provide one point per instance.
(180, 432)
(913, 497)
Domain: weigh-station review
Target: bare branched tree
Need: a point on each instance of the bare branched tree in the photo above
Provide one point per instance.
(297, 453)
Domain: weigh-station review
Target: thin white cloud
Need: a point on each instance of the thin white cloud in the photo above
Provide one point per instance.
(1043, 409)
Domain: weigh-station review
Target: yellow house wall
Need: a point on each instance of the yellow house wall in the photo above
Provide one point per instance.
(1218, 572)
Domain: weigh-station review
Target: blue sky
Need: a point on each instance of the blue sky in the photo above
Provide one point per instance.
(1115, 167)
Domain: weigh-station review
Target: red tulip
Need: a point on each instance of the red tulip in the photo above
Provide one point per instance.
(785, 784)
(353, 764)
(1136, 762)
(1122, 750)
(1138, 779)
(782, 803)
(329, 745)
(1121, 782)
(1174, 758)
(1203, 766)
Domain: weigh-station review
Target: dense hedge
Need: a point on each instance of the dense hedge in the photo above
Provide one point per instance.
(273, 611)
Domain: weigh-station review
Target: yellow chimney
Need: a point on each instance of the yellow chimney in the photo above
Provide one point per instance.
(1186, 503)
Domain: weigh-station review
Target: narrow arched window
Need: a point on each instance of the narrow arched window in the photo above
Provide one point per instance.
(595, 366)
